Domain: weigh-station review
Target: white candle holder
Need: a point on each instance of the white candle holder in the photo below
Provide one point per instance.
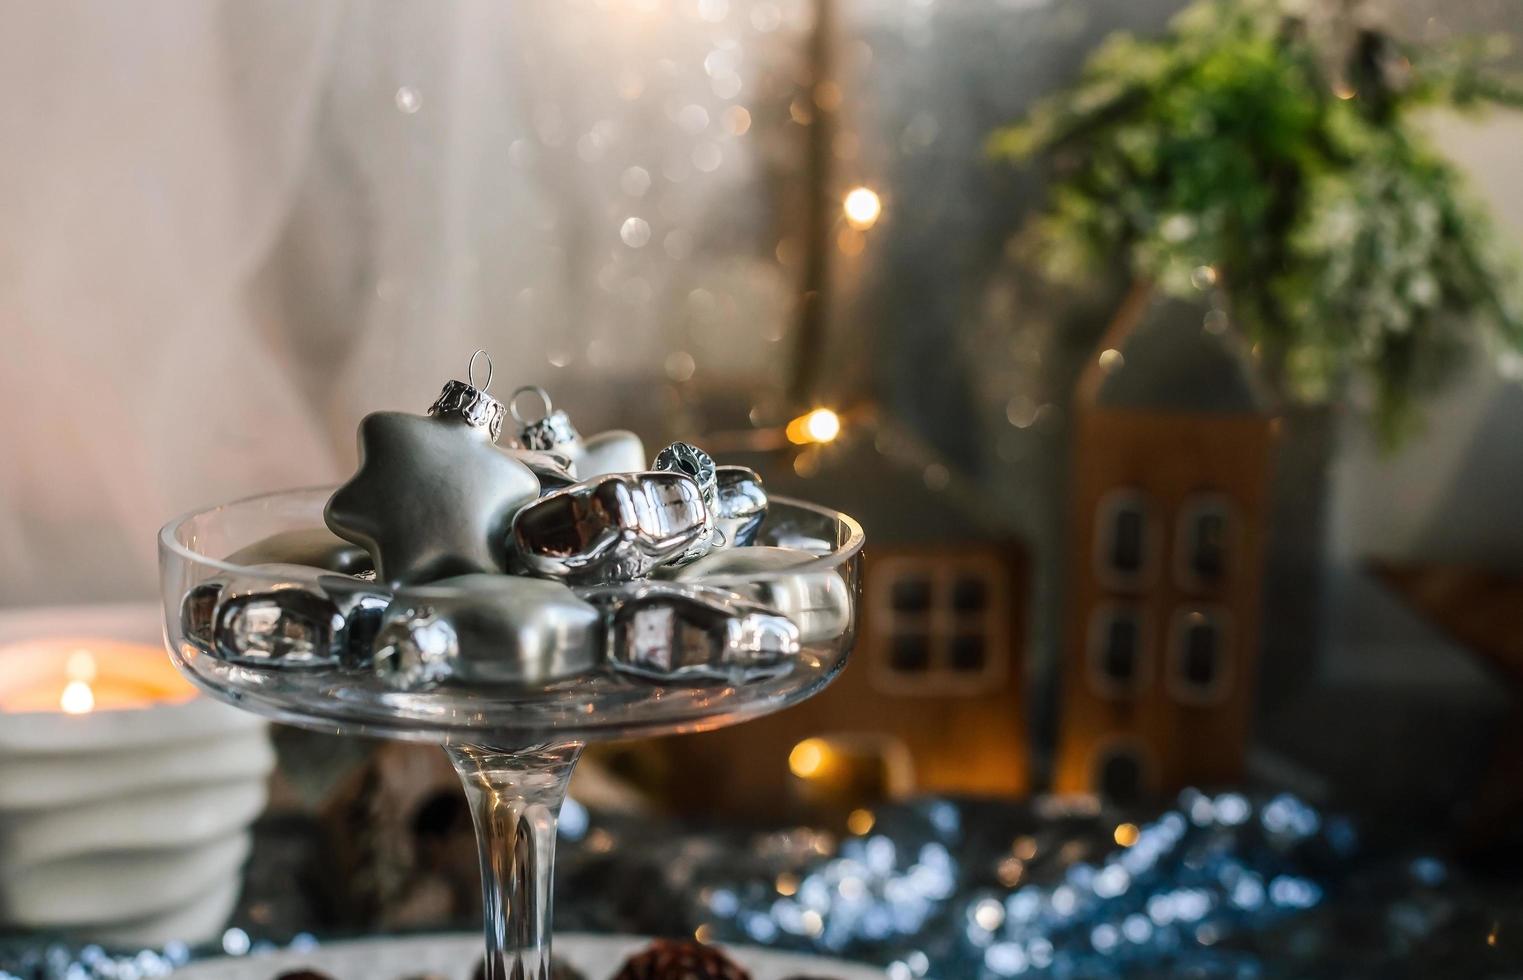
(125, 796)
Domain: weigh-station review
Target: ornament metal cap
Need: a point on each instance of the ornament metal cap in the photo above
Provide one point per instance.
(551, 432)
(465, 401)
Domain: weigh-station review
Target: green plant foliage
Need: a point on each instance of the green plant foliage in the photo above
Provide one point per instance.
(1236, 151)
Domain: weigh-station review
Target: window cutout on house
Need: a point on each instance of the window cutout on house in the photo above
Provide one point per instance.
(1124, 539)
(1117, 651)
(1203, 553)
(941, 624)
(911, 594)
(1121, 774)
(970, 594)
(910, 653)
(1128, 525)
(968, 654)
(1200, 655)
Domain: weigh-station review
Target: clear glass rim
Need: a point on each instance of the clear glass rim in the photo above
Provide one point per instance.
(170, 543)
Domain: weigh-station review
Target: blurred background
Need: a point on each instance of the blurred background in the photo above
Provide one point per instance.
(1168, 355)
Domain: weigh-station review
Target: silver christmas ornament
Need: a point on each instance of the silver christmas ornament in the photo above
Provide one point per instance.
(364, 606)
(487, 629)
(198, 614)
(819, 603)
(554, 471)
(415, 649)
(740, 506)
(433, 497)
(282, 627)
(317, 547)
(261, 621)
(689, 460)
(612, 528)
(673, 632)
(614, 451)
(694, 463)
(549, 431)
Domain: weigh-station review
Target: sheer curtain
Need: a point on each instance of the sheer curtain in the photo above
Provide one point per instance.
(229, 229)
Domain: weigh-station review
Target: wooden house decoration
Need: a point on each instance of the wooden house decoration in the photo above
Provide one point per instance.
(1169, 496)
(931, 699)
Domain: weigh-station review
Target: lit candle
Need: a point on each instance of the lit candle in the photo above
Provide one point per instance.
(118, 782)
(76, 675)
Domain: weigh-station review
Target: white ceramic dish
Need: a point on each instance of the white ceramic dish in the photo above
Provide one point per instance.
(453, 957)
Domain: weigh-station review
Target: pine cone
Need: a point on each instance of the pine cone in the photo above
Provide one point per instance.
(667, 959)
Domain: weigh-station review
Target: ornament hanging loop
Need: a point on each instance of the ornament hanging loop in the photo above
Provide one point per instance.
(536, 391)
(470, 371)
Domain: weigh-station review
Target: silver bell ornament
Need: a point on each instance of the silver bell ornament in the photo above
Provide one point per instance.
(316, 546)
(819, 603)
(548, 431)
(486, 629)
(433, 497)
(671, 632)
(261, 621)
(740, 506)
(697, 465)
(613, 528)
(551, 431)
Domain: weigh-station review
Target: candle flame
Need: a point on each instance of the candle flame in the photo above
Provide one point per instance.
(77, 699)
(78, 696)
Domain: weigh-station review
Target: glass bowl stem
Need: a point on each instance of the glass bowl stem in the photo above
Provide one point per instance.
(515, 797)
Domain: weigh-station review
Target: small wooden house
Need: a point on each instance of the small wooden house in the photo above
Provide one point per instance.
(1171, 465)
(931, 699)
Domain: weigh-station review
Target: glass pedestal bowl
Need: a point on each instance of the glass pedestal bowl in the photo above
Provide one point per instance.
(513, 747)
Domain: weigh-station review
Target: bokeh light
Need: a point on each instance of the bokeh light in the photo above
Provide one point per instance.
(862, 208)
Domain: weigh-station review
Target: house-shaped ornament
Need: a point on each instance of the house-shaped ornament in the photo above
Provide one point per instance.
(931, 699)
(1169, 492)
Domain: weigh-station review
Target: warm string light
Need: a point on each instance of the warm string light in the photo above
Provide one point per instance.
(860, 821)
(816, 427)
(862, 208)
(807, 758)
